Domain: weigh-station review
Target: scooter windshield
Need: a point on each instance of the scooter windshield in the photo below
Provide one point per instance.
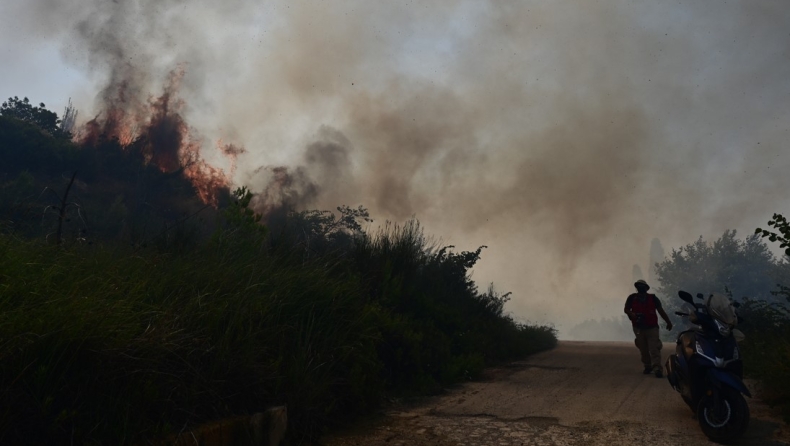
(721, 308)
(691, 311)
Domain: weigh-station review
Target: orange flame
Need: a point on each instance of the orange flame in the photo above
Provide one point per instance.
(162, 136)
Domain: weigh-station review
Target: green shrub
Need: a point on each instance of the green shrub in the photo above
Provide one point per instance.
(767, 325)
(434, 298)
(106, 345)
(767, 350)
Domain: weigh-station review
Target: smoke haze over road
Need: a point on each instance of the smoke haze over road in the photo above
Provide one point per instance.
(565, 136)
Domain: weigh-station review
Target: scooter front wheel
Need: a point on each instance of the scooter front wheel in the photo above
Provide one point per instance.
(725, 421)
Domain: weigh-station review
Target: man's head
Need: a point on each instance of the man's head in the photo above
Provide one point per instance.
(641, 286)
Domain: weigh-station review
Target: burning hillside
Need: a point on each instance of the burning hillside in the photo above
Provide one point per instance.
(161, 135)
(157, 130)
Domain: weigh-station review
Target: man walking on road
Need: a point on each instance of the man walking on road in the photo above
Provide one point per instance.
(641, 308)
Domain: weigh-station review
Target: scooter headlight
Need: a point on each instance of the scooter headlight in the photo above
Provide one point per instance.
(724, 329)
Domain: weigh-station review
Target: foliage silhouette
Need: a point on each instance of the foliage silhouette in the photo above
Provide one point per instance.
(39, 116)
(741, 267)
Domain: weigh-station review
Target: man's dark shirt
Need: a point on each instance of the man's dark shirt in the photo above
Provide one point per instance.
(656, 301)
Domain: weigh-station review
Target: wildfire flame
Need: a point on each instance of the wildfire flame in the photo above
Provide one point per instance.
(157, 130)
(162, 136)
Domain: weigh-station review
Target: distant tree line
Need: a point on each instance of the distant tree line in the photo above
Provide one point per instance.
(728, 265)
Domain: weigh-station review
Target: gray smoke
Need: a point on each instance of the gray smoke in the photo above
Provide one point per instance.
(565, 136)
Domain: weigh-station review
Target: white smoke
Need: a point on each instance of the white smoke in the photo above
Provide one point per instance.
(565, 136)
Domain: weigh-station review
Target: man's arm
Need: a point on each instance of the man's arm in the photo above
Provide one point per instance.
(663, 313)
(627, 310)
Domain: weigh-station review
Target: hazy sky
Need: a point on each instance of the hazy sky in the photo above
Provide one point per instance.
(563, 135)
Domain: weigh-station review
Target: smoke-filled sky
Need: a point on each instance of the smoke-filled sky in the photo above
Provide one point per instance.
(563, 135)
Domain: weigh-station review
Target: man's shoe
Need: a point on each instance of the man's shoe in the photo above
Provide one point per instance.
(647, 371)
(658, 373)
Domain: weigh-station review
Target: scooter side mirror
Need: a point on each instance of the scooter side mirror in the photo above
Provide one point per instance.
(686, 297)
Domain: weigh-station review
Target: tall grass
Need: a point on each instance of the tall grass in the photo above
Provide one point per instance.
(117, 347)
(440, 327)
(105, 345)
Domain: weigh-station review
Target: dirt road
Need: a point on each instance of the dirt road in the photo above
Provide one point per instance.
(581, 393)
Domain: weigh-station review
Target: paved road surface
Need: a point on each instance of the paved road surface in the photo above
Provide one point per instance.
(581, 393)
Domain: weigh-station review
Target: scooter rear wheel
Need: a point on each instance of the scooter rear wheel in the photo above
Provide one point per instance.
(727, 422)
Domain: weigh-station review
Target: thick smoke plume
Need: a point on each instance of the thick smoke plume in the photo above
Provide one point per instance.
(563, 136)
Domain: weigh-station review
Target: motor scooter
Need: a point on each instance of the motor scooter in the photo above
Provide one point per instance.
(707, 370)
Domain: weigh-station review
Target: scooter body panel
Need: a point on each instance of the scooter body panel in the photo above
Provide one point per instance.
(720, 377)
(707, 371)
(702, 361)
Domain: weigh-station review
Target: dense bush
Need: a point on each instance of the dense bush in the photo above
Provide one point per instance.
(24, 146)
(431, 298)
(767, 347)
(767, 350)
(107, 346)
